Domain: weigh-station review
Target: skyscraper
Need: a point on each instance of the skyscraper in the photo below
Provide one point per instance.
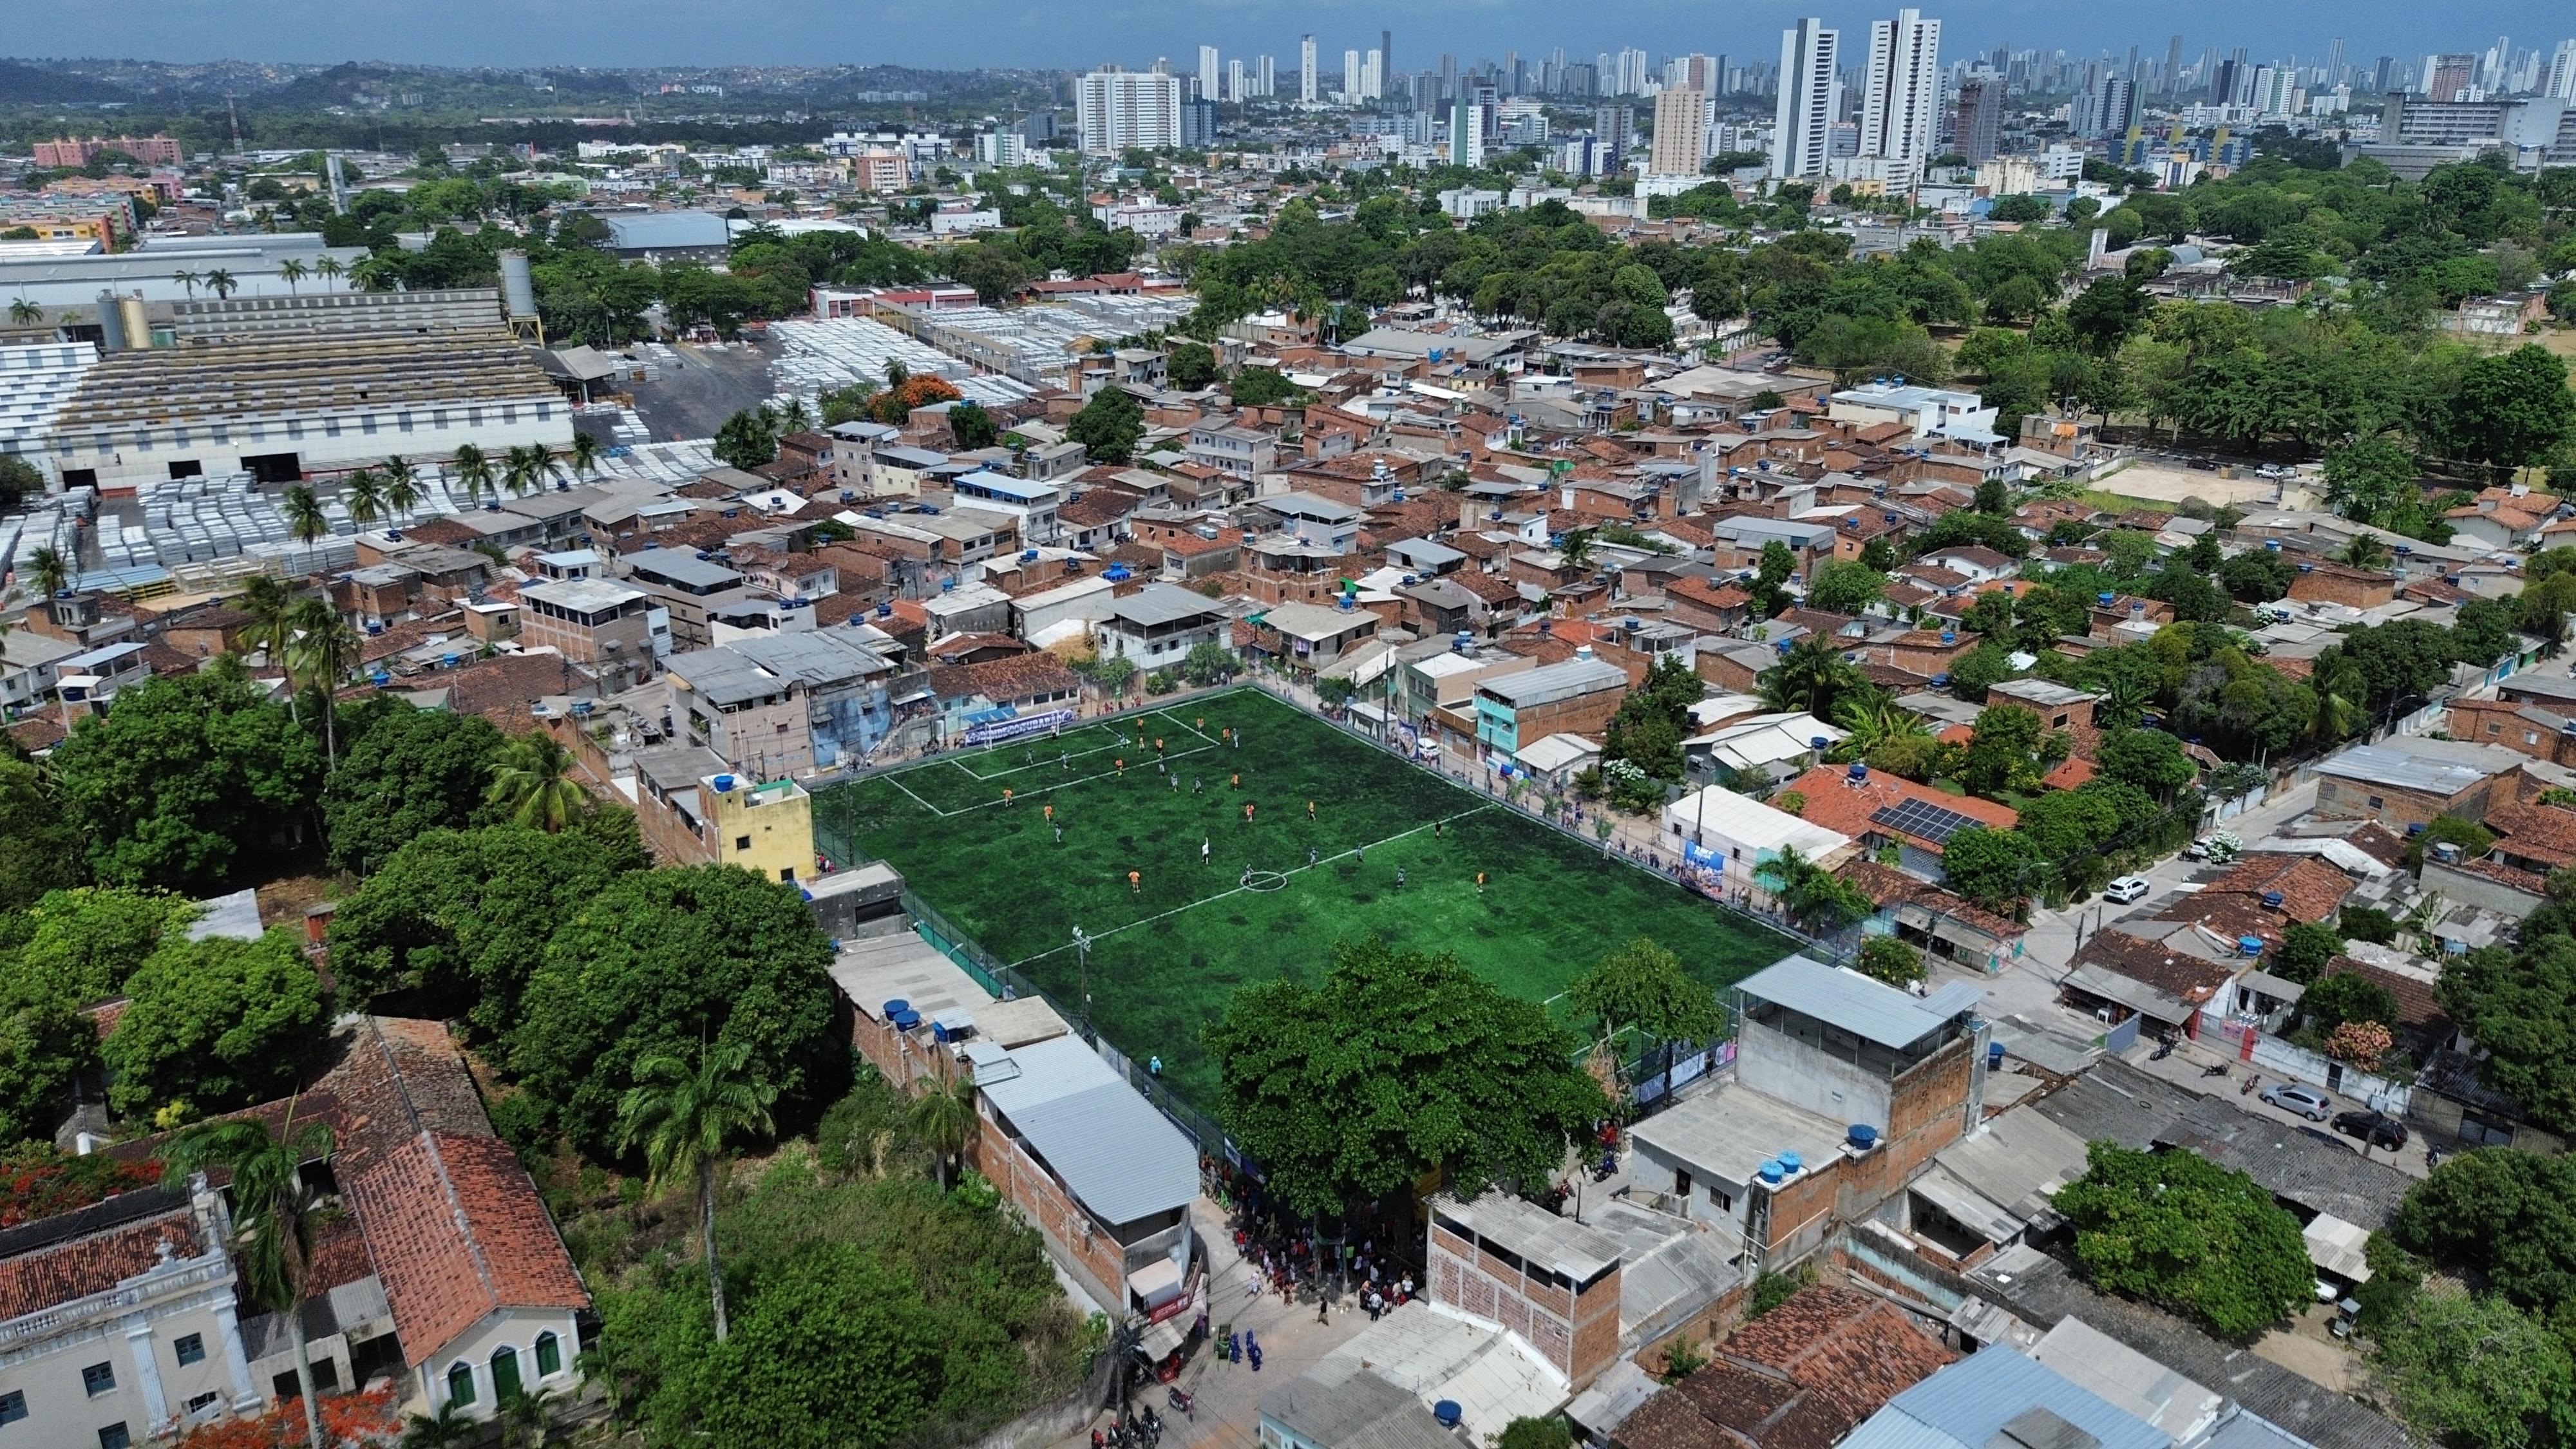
(1902, 92)
(1385, 58)
(2173, 67)
(1811, 92)
(1269, 78)
(2115, 106)
(1306, 69)
(2561, 84)
(1116, 109)
(2450, 75)
(1466, 133)
(2334, 62)
(1980, 119)
(1681, 115)
(1617, 128)
(1234, 79)
(1207, 72)
(1354, 85)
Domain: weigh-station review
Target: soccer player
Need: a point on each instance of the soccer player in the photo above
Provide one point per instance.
(1006, 795)
(1480, 882)
(1310, 810)
(1203, 850)
(1135, 883)
(1247, 814)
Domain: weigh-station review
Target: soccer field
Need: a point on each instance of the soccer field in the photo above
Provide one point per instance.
(1222, 898)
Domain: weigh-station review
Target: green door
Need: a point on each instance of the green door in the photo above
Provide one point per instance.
(505, 1375)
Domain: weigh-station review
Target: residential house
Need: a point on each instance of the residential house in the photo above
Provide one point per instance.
(1805, 1373)
(1245, 453)
(2413, 781)
(2118, 975)
(1725, 839)
(1574, 696)
(690, 587)
(1879, 810)
(1308, 637)
(1159, 624)
(993, 690)
(785, 704)
(1932, 920)
(612, 629)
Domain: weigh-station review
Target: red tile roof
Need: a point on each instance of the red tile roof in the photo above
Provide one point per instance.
(2186, 977)
(1837, 803)
(95, 1262)
(1886, 887)
(1801, 1376)
(2310, 889)
(2546, 833)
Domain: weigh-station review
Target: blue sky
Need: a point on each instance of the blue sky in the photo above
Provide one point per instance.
(1080, 33)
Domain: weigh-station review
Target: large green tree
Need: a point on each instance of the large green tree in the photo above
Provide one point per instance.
(1396, 1064)
(2177, 1230)
(43, 847)
(658, 963)
(2512, 409)
(217, 1024)
(187, 780)
(1995, 868)
(464, 915)
(2520, 1007)
(2508, 1217)
(406, 771)
(78, 946)
(2473, 1370)
(1644, 988)
(1108, 426)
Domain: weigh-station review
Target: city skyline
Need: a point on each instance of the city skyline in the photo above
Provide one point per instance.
(1011, 33)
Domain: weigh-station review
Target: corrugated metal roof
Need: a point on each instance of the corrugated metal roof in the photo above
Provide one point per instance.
(1548, 683)
(1161, 604)
(1965, 1405)
(1120, 1157)
(2405, 769)
(1868, 1009)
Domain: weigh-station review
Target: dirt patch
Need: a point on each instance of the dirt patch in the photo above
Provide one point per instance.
(2167, 485)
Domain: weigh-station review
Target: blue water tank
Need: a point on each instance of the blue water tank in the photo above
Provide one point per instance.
(2104, 599)
(1791, 1162)
(2271, 545)
(1859, 772)
(2272, 900)
(896, 1006)
(2307, 568)
(1447, 1413)
(1772, 1173)
(1994, 1056)
(1818, 742)
(724, 784)
(1863, 1136)
(2249, 945)
(1949, 636)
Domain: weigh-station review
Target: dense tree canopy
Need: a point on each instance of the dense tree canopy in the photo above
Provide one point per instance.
(2178, 1230)
(216, 1024)
(665, 961)
(185, 778)
(402, 771)
(1396, 1064)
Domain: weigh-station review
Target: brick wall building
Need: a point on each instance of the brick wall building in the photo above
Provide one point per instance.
(1553, 1282)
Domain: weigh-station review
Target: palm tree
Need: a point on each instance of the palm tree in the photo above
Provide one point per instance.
(585, 453)
(290, 272)
(525, 467)
(323, 647)
(1577, 550)
(452, 1427)
(683, 1119)
(473, 471)
(270, 602)
(402, 486)
(329, 268)
(2366, 551)
(1812, 676)
(1808, 893)
(944, 1119)
(23, 313)
(527, 1419)
(363, 494)
(794, 418)
(276, 1215)
(1875, 721)
(220, 282)
(188, 279)
(47, 570)
(896, 373)
(532, 782)
(304, 516)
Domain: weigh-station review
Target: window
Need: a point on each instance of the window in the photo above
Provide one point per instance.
(13, 1407)
(460, 1383)
(787, 872)
(98, 1378)
(2376, 802)
(549, 1355)
(115, 1436)
(190, 1349)
(202, 1402)
(742, 842)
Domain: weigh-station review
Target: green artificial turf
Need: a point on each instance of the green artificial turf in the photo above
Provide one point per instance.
(1169, 950)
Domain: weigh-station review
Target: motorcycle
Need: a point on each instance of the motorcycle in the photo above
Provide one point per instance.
(2219, 1070)
(1606, 1168)
(2164, 1049)
(2247, 1088)
(1185, 1402)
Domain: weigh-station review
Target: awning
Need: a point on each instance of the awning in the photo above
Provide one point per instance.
(1966, 1205)
(2337, 1247)
(1161, 1340)
(1157, 1283)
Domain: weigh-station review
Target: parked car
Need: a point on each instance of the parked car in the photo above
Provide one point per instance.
(2308, 1102)
(2376, 1128)
(2126, 889)
(2197, 850)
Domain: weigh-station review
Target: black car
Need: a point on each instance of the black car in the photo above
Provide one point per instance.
(2376, 1128)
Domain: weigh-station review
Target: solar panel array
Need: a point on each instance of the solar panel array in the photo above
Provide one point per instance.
(1922, 820)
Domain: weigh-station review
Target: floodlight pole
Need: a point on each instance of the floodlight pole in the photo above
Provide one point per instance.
(1082, 954)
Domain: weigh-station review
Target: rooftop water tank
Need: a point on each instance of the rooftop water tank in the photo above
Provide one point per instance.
(2271, 545)
(2446, 852)
(2104, 599)
(1446, 1413)
(2249, 945)
(724, 784)
(1791, 1162)
(1949, 636)
(896, 1006)
(2272, 900)
(2307, 568)
(1818, 742)
(1862, 1136)
(1772, 1173)
(1859, 772)
(1994, 1056)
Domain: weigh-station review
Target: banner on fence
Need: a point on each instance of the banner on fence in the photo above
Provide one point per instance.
(1020, 728)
